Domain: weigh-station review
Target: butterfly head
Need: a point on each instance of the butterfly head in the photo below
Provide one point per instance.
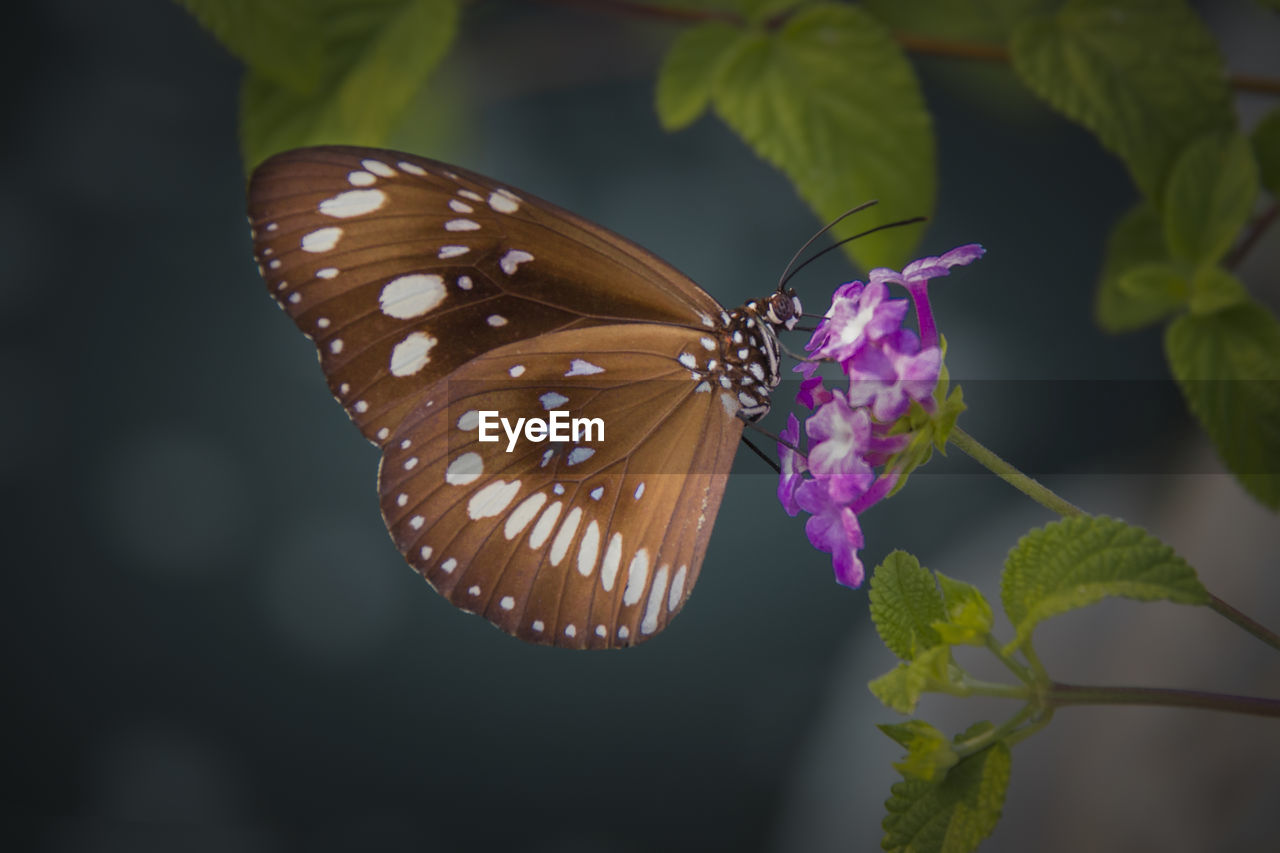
(782, 308)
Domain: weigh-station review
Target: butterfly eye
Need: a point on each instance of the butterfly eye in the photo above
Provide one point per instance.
(438, 298)
(783, 309)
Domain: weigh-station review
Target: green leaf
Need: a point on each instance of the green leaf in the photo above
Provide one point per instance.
(1136, 287)
(1079, 561)
(904, 604)
(689, 72)
(931, 670)
(1213, 289)
(944, 419)
(1209, 197)
(279, 40)
(380, 53)
(962, 20)
(969, 616)
(954, 814)
(1228, 367)
(1266, 149)
(929, 752)
(831, 100)
(1144, 76)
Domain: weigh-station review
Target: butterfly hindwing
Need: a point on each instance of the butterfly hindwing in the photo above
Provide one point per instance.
(586, 544)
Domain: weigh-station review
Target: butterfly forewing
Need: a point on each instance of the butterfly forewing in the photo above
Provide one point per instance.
(433, 293)
(580, 544)
(401, 269)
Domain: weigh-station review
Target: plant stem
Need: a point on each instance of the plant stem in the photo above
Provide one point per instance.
(1257, 629)
(1059, 695)
(920, 45)
(1016, 668)
(1011, 475)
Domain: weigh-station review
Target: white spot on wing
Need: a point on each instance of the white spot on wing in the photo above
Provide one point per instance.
(581, 367)
(597, 493)
(513, 259)
(560, 546)
(612, 559)
(411, 295)
(469, 194)
(507, 602)
(322, 239)
(492, 499)
(327, 272)
(688, 360)
(522, 515)
(516, 370)
(464, 470)
(579, 454)
(361, 179)
(461, 225)
(426, 552)
(637, 574)
(730, 404)
(447, 252)
(464, 282)
(469, 420)
(379, 168)
(708, 344)
(460, 206)
(677, 588)
(449, 565)
(416, 522)
(537, 626)
(412, 168)
(351, 203)
(552, 400)
(546, 523)
(570, 631)
(496, 320)
(335, 346)
(589, 549)
(504, 201)
(412, 354)
(653, 607)
(639, 491)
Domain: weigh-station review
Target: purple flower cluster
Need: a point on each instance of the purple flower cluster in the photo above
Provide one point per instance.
(855, 429)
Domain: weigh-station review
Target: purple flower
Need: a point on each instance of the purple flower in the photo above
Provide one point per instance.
(852, 433)
(838, 436)
(887, 376)
(793, 466)
(853, 321)
(915, 278)
(811, 394)
(833, 529)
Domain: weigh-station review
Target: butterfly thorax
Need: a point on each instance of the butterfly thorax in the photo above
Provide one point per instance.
(741, 361)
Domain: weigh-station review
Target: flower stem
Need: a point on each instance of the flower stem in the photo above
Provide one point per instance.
(1262, 632)
(1059, 695)
(1020, 481)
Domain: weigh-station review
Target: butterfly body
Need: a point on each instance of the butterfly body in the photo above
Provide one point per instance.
(435, 295)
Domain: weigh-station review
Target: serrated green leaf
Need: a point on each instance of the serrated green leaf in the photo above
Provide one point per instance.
(904, 604)
(952, 815)
(969, 616)
(1124, 303)
(1076, 562)
(1266, 149)
(689, 70)
(1209, 197)
(929, 752)
(1213, 289)
(1228, 367)
(380, 54)
(830, 99)
(968, 20)
(278, 39)
(1144, 76)
(900, 687)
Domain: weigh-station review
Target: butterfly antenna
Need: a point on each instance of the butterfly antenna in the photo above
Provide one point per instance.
(787, 276)
(787, 273)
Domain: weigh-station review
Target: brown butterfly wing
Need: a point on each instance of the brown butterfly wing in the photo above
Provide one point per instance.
(586, 544)
(401, 269)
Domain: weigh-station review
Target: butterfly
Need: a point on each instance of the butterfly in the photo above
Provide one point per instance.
(440, 300)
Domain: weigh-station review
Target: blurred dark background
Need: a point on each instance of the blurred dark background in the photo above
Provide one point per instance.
(210, 642)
